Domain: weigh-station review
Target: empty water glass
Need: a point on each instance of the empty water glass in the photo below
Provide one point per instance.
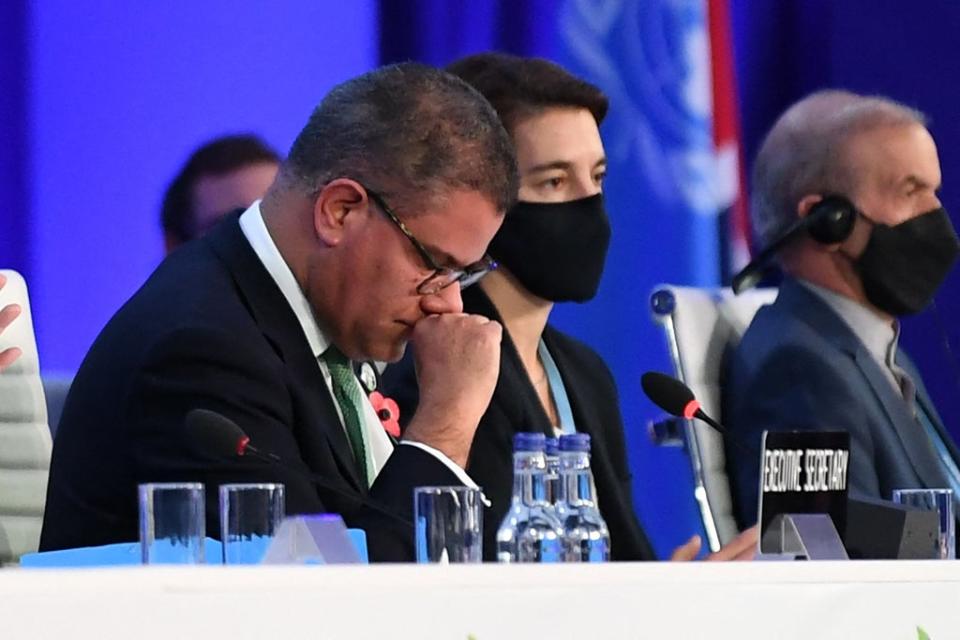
(941, 501)
(250, 515)
(448, 523)
(172, 523)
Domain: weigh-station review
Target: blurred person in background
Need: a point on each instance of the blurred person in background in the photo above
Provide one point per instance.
(223, 175)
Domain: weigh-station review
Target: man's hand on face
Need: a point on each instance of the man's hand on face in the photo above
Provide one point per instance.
(743, 547)
(8, 314)
(458, 362)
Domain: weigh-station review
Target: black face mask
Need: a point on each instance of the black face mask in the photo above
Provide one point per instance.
(556, 250)
(904, 265)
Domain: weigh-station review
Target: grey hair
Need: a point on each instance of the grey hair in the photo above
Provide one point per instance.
(408, 130)
(804, 153)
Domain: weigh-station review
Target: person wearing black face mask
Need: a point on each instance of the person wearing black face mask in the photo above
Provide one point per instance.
(555, 250)
(825, 355)
(904, 264)
(551, 248)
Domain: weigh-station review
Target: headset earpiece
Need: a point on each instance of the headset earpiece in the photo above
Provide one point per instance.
(830, 221)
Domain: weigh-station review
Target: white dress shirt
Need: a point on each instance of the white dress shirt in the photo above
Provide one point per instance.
(376, 442)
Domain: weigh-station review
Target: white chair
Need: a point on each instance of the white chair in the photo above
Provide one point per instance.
(25, 441)
(55, 390)
(702, 327)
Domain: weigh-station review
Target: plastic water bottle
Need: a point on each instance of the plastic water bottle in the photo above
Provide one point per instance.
(553, 469)
(585, 534)
(530, 532)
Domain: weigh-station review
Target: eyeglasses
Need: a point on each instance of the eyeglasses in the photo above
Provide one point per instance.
(442, 277)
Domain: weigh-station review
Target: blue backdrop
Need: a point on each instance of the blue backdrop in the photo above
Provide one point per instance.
(105, 102)
(102, 102)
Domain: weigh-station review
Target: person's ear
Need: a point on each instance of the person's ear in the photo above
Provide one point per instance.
(832, 221)
(804, 207)
(806, 203)
(333, 205)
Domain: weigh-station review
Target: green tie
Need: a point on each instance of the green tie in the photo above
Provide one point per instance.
(347, 393)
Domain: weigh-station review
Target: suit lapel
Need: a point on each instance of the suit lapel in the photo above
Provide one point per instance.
(809, 307)
(281, 328)
(925, 404)
(915, 442)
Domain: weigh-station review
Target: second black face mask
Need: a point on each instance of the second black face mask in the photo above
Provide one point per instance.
(556, 250)
(904, 265)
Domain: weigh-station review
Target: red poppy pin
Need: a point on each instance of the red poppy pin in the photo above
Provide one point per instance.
(388, 412)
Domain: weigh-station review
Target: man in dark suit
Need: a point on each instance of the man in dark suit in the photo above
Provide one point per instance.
(824, 355)
(382, 211)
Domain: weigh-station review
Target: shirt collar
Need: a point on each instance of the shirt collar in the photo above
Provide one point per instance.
(255, 230)
(878, 334)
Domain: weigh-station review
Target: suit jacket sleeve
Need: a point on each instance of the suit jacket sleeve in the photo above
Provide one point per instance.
(795, 389)
(205, 368)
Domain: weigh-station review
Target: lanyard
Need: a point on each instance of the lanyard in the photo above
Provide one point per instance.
(557, 390)
(949, 464)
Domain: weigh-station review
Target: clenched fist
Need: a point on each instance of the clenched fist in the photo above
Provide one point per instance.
(457, 357)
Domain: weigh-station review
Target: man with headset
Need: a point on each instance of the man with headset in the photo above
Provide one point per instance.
(845, 193)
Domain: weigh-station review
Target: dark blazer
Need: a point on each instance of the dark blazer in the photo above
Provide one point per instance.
(800, 366)
(515, 407)
(210, 329)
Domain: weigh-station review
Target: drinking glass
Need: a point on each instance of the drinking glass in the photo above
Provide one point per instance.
(250, 515)
(172, 523)
(448, 523)
(941, 501)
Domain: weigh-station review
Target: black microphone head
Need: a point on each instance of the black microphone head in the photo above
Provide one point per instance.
(213, 435)
(748, 277)
(667, 392)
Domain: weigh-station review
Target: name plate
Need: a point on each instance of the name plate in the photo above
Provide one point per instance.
(803, 472)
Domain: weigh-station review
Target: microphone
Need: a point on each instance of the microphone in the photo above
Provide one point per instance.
(675, 398)
(213, 435)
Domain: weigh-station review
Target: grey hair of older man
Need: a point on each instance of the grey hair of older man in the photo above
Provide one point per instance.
(804, 153)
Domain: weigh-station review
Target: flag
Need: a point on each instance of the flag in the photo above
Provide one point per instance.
(734, 223)
(666, 185)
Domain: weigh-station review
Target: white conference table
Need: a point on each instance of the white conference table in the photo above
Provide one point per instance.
(802, 600)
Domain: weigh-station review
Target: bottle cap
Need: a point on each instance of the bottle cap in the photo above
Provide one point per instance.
(529, 442)
(553, 446)
(575, 442)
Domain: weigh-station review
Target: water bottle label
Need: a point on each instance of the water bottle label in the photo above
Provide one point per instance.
(598, 553)
(550, 554)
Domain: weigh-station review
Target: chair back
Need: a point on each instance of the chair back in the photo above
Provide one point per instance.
(702, 327)
(56, 387)
(25, 440)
